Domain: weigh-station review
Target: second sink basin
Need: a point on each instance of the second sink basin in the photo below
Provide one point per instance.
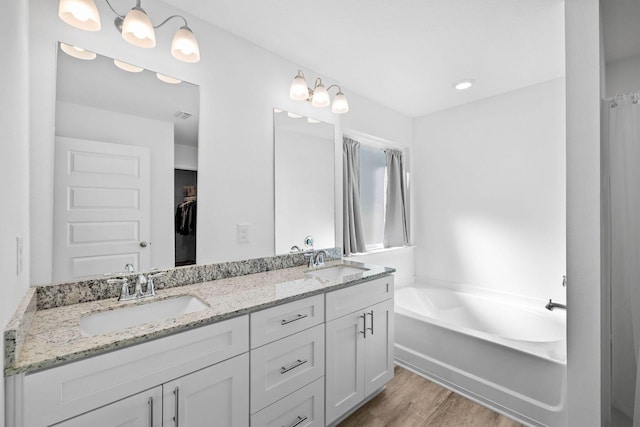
(337, 273)
(132, 315)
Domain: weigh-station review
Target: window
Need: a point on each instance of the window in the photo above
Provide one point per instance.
(372, 195)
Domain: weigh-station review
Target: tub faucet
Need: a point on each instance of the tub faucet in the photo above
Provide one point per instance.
(551, 305)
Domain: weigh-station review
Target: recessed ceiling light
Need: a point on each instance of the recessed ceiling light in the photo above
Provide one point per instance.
(127, 67)
(168, 79)
(77, 52)
(464, 84)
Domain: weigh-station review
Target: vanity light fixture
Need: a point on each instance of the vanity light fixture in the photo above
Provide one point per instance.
(77, 52)
(319, 95)
(168, 79)
(127, 67)
(464, 84)
(136, 27)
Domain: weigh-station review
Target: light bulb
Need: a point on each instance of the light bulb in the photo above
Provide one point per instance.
(185, 46)
(137, 29)
(340, 104)
(77, 52)
(320, 96)
(168, 79)
(299, 90)
(127, 67)
(82, 14)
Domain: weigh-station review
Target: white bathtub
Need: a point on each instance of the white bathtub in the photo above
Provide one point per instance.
(504, 352)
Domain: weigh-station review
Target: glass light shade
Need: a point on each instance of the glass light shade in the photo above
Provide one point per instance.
(320, 97)
(294, 115)
(299, 90)
(138, 30)
(464, 84)
(185, 46)
(77, 52)
(82, 14)
(168, 79)
(340, 104)
(312, 120)
(127, 67)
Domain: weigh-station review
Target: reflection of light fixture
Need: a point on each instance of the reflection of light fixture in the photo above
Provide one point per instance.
(81, 14)
(464, 84)
(77, 52)
(319, 95)
(294, 115)
(168, 79)
(311, 120)
(277, 110)
(127, 67)
(135, 26)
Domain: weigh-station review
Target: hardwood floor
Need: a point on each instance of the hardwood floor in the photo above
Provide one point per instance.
(412, 401)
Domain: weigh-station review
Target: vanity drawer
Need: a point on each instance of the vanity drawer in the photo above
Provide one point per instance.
(280, 368)
(353, 298)
(65, 391)
(303, 408)
(286, 319)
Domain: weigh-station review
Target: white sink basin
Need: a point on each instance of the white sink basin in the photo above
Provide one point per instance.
(121, 318)
(337, 273)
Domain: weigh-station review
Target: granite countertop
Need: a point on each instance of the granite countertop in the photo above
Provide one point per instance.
(42, 338)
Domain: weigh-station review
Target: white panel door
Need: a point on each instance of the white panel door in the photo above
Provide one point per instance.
(214, 396)
(378, 368)
(344, 365)
(101, 208)
(140, 410)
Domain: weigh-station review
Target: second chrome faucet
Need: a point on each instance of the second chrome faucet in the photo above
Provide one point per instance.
(144, 284)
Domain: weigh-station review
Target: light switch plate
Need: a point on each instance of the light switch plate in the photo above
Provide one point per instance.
(244, 233)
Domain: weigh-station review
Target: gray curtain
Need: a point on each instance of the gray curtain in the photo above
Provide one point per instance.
(396, 223)
(353, 236)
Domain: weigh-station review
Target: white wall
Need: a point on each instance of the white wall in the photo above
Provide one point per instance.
(240, 84)
(82, 122)
(185, 157)
(14, 162)
(489, 180)
(623, 76)
(585, 386)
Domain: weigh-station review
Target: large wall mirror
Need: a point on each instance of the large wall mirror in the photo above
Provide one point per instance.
(304, 181)
(125, 167)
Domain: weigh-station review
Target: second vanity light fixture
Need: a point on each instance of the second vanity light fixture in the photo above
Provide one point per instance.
(135, 27)
(319, 95)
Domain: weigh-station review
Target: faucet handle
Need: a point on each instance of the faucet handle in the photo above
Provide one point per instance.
(151, 287)
(124, 290)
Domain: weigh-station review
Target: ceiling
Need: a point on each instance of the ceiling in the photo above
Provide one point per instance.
(404, 54)
(140, 94)
(621, 32)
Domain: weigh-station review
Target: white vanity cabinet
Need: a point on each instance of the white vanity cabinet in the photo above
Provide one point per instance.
(359, 344)
(210, 354)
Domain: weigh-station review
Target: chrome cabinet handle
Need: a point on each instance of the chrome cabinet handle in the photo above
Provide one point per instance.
(299, 420)
(294, 365)
(151, 411)
(293, 319)
(364, 321)
(176, 392)
(371, 328)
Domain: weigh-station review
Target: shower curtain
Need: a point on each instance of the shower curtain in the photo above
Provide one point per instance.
(621, 180)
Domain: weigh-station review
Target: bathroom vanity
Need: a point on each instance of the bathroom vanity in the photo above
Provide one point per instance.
(294, 347)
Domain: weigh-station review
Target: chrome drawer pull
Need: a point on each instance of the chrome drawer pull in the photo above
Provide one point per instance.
(297, 421)
(176, 391)
(371, 328)
(364, 321)
(294, 365)
(296, 317)
(151, 411)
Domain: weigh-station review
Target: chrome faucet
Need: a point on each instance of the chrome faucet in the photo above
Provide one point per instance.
(316, 259)
(551, 305)
(144, 285)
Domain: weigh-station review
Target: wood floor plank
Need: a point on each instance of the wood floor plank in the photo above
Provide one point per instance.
(412, 401)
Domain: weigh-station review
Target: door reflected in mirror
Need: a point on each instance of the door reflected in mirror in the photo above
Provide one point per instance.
(125, 168)
(304, 181)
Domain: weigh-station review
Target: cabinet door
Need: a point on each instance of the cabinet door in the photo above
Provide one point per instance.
(344, 364)
(378, 367)
(217, 395)
(140, 410)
